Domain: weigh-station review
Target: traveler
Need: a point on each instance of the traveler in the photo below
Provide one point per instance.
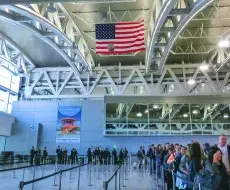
(45, 154)
(32, 154)
(194, 161)
(215, 165)
(225, 149)
(89, 155)
(58, 152)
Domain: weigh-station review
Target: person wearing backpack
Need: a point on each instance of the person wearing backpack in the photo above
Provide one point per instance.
(194, 161)
(181, 168)
(217, 171)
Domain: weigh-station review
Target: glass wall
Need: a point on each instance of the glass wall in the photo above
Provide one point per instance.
(9, 87)
(167, 119)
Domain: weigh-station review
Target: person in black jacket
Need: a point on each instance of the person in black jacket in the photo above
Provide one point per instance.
(65, 156)
(215, 166)
(89, 155)
(72, 156)
(32, 154)
(45, 154)
(58, 152)
(121, 156)
(195, 161)
(114, 154)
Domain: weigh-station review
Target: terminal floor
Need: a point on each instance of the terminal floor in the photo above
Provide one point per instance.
(135, 179)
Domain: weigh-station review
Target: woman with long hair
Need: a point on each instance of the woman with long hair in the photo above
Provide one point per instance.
(215, 166)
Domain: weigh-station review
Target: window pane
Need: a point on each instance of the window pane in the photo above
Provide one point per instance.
(12, 98)
(3, 96)
(3, 106)
(15, 83)
(5, 77)
(9, 109)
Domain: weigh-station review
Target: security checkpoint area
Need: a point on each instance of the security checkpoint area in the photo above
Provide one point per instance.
(114, 94)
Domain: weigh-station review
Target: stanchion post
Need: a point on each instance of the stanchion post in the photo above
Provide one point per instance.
(14, 174)
(23, 174)
(33, 176)
(157, 177)
(55, 170)
(163, 178)
(173, 178)
(119, 179)
(79, 176)
(116, 180)
(105, 185)
(60, 179)
(89, 185)
(98, 171)
(21, 185)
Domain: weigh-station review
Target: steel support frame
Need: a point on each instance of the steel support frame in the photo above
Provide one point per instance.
(63, 82)
(13, 58)
(48, 32)
(165, 21)
(144, 129)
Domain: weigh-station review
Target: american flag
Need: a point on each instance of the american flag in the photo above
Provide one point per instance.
(120, 38)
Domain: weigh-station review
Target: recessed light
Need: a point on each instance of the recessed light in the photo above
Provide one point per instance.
(191, 81)
(224, 44)
(225, 115)
(139, 114)
(155, 107)
(204, 67)
(195, 112)
(185, 115)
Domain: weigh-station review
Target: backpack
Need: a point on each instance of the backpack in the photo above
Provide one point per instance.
(207, 181)
(176, 163)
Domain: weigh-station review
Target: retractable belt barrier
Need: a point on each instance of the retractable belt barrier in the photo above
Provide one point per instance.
(121, 171)
(24, 183)
(159, 172)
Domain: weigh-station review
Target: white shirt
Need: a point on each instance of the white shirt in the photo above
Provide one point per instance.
(225, 160)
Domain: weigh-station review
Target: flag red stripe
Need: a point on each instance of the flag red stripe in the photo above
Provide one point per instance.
(121, 47)
(128, 32)
(129, 27)
(125, 37)
(120, 42)
(120, 52)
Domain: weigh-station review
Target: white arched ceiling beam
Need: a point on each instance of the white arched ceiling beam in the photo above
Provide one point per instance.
(68, 26)
(171, 21)
(13, 58)
(49, 33)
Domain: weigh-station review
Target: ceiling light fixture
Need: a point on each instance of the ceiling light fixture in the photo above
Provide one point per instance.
(204, 67)
(224, 43)
(225, 115)
(139, 114)
(191, 81)
(155, 107)
(185, 115)
(146, 111)
(195, 112)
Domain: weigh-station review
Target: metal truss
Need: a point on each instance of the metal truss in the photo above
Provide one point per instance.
(64, 21)
(146, 129)
(191, 49)
(172, 19)
(46, 31)
(13, 58)
(48, 83)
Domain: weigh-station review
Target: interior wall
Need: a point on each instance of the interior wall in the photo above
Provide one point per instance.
(30, 113)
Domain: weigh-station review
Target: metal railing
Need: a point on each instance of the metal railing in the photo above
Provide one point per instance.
(119, 175)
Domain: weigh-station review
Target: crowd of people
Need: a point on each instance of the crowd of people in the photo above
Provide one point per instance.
(208, 165)
(35, 155)
(104, 155)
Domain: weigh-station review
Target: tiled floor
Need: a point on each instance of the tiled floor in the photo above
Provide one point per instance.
(133, 180)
